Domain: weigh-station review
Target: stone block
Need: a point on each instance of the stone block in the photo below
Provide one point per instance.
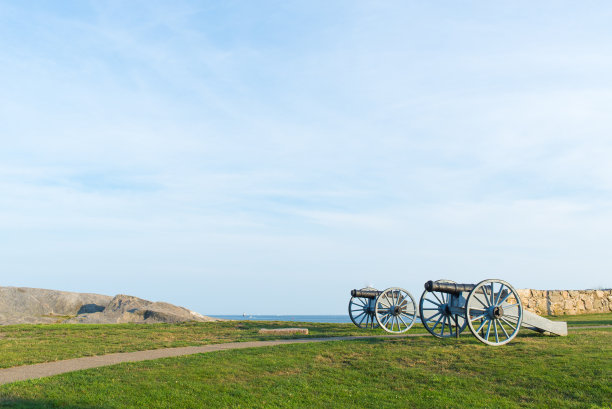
(556, 310)
(524, 292)
(283, 331)
(555, 297)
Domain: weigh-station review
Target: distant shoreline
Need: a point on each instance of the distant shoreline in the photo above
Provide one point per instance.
(295, 318)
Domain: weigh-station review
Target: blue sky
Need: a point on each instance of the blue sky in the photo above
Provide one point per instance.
(267, 157)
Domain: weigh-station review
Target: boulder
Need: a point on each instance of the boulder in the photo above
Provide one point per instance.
(21, 305)
(126, 308)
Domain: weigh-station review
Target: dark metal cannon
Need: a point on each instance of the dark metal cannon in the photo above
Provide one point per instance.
(492, 309)
(393, 309)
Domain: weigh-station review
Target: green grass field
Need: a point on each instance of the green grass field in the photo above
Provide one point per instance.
(29, 344)
(532, 371)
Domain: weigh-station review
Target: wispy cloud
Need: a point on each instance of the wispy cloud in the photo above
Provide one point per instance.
(287, 146)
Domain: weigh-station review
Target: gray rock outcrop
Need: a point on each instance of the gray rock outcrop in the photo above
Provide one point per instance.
(126, 308)
(22, 305)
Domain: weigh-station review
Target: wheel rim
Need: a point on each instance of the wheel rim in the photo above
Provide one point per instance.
(435, 314)
(395, 310)
(494, 312)
(361, 312)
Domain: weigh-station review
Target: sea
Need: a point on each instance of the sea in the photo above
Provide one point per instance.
(294, 318)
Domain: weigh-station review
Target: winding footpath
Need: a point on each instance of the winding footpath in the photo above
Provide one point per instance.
(22, 373)
(25, 372)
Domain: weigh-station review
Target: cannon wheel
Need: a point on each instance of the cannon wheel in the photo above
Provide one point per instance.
(360, 313)
(491, 317)
(435, 316)
(395, 310)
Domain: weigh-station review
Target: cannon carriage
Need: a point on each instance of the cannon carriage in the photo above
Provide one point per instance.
(393, 309)
(491, 309)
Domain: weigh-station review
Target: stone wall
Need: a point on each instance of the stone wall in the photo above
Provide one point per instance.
(566, 302)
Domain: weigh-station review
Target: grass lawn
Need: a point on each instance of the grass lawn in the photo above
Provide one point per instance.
(532, 371)
(29, 344)
(584, 320)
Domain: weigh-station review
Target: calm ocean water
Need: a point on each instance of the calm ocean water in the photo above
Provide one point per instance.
(295, 318)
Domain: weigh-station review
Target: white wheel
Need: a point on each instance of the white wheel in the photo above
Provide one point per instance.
(494, 312)
(395, 310)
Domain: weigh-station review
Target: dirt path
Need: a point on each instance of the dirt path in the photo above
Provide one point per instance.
(21, 373)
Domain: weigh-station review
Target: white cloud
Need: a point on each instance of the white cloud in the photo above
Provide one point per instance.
(318, 155)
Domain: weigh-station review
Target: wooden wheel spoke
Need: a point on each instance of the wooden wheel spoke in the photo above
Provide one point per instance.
(433, 302)
(505, 298)
(508, 306)
(481, 314)
(488, 330)
(359, 315)
(483, 304)
(510, 324)
(437, 322)
(499, 294)
(504, 329)
(411, 317)
(433, 316)
(482, 324)
(362, 318)
(495, 328)
(441, 301)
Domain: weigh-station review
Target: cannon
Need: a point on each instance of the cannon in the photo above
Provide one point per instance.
(491, 309)
(393, 309)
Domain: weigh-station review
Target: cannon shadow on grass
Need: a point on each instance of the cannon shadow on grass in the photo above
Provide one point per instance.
(589, 322)
(41, 404)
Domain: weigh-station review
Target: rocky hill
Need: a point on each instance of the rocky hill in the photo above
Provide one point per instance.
(21, 305)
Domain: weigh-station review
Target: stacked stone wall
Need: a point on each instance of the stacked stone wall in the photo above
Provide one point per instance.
(566, 302)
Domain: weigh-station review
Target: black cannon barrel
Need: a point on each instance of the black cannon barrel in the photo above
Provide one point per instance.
(365, 293)
(450, 288)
